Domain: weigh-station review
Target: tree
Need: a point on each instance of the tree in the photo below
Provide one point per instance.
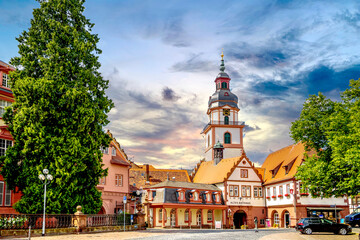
(59, 112)
(332, 131)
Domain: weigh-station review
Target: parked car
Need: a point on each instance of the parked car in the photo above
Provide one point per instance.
(354, 218)
(316, 224)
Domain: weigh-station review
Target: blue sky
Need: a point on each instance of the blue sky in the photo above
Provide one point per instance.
(162, 57)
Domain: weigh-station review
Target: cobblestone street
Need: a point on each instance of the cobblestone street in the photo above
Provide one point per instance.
(167, 234)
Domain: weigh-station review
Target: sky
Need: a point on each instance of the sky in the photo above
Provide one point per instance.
(162, 56)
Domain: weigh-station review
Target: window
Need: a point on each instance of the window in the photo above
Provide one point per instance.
(196, 196)
(231, 190)
(223, 85)
(262, 221)
(5, 80)
(245, 191)
(104, 150)
(5, 193)
(280, 190)
(217, 197)
(268, 192)
(274, 191)
(227, 137)
(113, 151)
(118, 180)
(4, 145)
(257, 192)
(243, 173)
(260, 192)
(186, 215)
(102, 181)
(209, 216)
(181, 195)
(3, 105)
(234, 191)
(226, 120)
(287, 188)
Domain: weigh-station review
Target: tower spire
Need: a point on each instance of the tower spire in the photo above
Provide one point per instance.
(222, 65)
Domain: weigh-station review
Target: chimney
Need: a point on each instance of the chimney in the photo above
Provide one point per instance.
(147, 177)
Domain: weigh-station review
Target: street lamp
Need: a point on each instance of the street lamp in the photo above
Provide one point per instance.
(45, 178)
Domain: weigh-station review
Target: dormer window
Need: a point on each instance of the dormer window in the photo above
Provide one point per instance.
(196, 196)
(275, 170)
(288, 166)
(181, 195)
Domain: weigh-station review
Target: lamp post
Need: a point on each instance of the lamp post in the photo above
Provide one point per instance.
(124, 200)
(45, 178)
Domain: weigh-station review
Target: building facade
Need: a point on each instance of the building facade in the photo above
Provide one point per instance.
(183, 205)
(286, 199)
(115, 185)
(7, 197)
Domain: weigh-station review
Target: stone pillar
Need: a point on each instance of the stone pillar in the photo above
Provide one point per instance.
(79, 219)
(164, 218)
(213, 218)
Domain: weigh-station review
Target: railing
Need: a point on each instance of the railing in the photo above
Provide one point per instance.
(22, 221)
(97, 220)
(239, 123)
(226, 123)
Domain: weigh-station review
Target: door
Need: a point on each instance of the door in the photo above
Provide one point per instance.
(173, 219)
(198, 218)
(287, 220)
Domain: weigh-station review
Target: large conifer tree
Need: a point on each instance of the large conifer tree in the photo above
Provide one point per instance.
(59, 111)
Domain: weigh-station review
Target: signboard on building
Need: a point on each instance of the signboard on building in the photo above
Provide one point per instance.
(217, 224)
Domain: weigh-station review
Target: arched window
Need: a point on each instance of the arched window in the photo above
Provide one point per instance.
(276, 219)
(227, 137)
(198, 218)
(160, 214)
(223, 85)
(226, 120)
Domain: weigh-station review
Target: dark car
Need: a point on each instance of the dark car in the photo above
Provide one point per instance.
(315, 224)
(354, 218)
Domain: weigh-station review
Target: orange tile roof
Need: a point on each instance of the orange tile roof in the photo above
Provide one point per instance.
(138, 176)
(291, 156)
(209, 173)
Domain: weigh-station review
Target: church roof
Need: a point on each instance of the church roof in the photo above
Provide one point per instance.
(223, 97)
(282, 164)
(209, 173)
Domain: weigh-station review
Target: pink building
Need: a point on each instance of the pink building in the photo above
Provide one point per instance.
(116, 184)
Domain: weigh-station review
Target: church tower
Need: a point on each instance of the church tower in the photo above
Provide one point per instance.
(224, 126)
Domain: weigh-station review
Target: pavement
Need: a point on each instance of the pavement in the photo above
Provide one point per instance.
(206, 234)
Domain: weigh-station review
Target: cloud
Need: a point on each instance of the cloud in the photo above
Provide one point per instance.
(249, 128)
(169, 95)
(352, 19)
(194, 63)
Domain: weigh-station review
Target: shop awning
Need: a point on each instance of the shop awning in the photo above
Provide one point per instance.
(324, 209)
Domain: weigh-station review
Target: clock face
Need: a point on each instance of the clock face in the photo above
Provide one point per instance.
(226, 112)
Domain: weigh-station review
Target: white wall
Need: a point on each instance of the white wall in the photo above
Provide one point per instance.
(235, 134)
